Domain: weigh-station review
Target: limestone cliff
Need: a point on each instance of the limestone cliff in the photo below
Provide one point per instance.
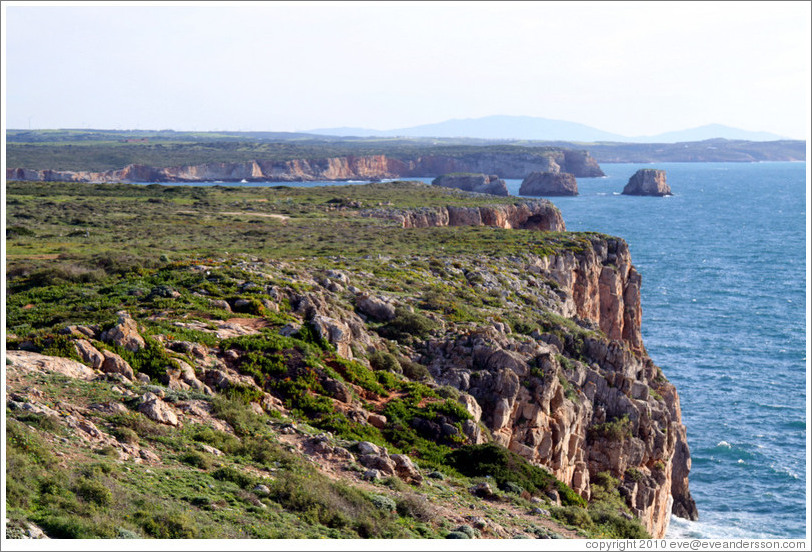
(471, 182)
(528, 215)
(372, 167)
(581, 399)
(549, 184)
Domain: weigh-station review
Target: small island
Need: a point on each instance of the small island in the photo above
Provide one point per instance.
(549, 184)
(648, 182)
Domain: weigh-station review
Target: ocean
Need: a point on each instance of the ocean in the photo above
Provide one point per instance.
(723, 299)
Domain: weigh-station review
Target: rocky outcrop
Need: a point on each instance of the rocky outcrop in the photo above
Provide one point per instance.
(647, 182)
(477, 183)
(35, 362)
(549, 184)
(124, 333)
(367, 167)
(581, 402)
(528, 215)
(601, 285)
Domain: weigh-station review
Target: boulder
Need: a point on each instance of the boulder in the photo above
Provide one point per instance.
(124, 333)
(473, 182)
(89, 354)
(647, 182)
(336, 332)
(157, 410)
(377, 420)
(406, 469)
(376, 307)
(549, 184)
(482, 490)
(114, 364)
(384, 465)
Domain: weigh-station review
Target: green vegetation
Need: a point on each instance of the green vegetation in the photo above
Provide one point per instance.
(618, 429)
(506, 467)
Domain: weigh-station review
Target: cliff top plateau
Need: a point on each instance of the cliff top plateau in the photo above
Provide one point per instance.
(385, 361)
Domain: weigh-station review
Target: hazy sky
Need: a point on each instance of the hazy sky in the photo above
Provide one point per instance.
(632, 68)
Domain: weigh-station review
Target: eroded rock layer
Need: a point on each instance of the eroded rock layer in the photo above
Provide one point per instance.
(507, 165)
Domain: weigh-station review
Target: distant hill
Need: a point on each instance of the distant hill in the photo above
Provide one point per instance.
(506, 127)
(709, 132)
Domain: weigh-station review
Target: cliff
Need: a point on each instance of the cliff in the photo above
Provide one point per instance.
(364, 167)
(581, 400)
(470, 182)
(527, 215)
(647, 182)
(549, 184)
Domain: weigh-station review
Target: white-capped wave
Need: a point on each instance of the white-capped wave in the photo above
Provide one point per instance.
(723, 444)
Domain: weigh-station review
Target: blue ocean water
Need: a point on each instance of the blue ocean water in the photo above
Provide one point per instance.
(723, 298)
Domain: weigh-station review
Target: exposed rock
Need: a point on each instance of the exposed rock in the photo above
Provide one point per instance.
(114, 364)
(365, 447)
(471, 182)
(377, 420)
(149, 456)
(528, 215)
(648, 182)
(334, 331)
(378, 308)
(156, 409)
(509, 165)
(406, 469)
(549, 184)
(124, 333)
(35, 362)
(384, 465)
(82, 332)
(89, 354)
(262, 490)
(220, 304)
(482, 490)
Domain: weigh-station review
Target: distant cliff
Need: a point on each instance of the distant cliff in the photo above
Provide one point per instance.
(364, 167)
(526, 215)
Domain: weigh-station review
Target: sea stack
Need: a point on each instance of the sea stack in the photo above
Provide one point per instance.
(647, 182)
(473, 182)
(549, 184)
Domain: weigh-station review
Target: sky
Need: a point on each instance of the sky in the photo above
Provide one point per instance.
(636, 68)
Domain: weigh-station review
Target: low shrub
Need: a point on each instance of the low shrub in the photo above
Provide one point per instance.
(91, 490)
(382, 360)
(618, 429)
(228, 473)
(196, 459)
(506, 466)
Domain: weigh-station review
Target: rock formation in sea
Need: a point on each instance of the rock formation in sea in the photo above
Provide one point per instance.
(648, 182)
(549, 184)
(473, 182)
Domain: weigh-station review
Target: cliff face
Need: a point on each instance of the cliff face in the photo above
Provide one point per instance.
(477, 183)
(601, 407)
(506, 165)
(527, 215)
(549, 184)
(650, 182)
